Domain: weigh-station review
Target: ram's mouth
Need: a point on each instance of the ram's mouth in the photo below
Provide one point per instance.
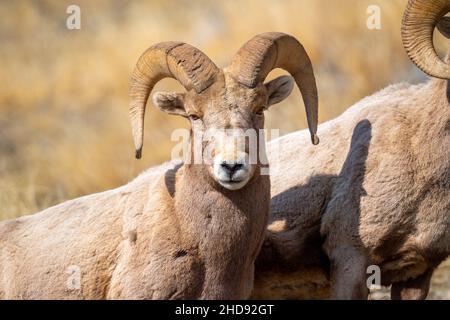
(231, 181)
(231, 184)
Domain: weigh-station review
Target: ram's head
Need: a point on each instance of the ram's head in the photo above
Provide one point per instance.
(226, 103)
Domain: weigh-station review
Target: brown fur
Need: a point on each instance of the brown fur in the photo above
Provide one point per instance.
(358, 177)
(382, 193)
(306, 183)
(178, 231)
(379, 188)
(172, 233)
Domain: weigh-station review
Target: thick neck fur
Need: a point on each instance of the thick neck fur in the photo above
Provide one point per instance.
(433, 108)
(433, 132)
(224, 228)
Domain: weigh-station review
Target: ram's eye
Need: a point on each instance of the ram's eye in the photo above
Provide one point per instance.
(193, 117)
(260, 112)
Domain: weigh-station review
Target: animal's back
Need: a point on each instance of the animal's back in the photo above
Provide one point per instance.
(69, 251)
(65, 251)
(354, 163)
(391, 198)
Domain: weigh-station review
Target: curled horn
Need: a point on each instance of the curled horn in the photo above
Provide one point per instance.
(419, 20)
(191, 67)
(267, 51)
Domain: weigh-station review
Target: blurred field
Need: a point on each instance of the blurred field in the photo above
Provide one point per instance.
(64, 128)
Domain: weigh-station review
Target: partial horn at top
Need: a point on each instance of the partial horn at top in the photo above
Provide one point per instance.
(181, 61)
(267, 51)
(419, 20)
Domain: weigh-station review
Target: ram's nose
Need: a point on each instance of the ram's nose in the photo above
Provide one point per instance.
(231, 167)
(232, 171)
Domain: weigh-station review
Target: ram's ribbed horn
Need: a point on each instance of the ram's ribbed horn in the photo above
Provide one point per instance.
(267, 51)
(419, 21)
(191, 67)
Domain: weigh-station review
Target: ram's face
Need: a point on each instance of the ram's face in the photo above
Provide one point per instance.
(228, 118)
(225, 106)
(227, 121)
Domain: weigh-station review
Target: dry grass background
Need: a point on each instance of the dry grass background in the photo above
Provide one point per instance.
(64, 128)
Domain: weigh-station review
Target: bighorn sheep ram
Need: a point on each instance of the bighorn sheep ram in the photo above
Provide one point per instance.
(377, 191)
(179, 230)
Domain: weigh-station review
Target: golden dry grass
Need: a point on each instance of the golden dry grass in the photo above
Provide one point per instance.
(64, 128)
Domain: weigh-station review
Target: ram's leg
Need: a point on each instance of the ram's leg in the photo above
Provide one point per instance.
(412, 289)
(348, 274)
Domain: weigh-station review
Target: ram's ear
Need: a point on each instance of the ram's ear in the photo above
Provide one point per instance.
(170, 102)
(444, 27)
(279, 89)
